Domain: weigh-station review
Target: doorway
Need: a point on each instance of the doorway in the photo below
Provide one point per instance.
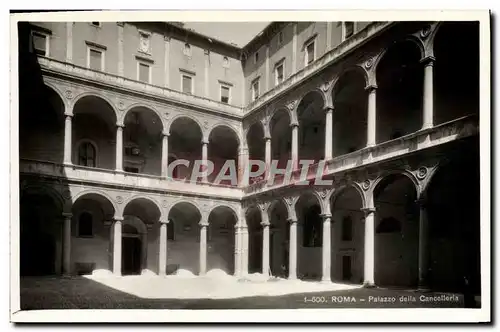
(346, 268)
(131, 255)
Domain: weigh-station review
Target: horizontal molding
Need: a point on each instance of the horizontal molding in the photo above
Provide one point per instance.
(92, 44)
(189, 72)
(144, 58)
(225, 83)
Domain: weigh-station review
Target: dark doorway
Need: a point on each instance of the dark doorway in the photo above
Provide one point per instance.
(131, 255)
(255, 263)
(346, 268)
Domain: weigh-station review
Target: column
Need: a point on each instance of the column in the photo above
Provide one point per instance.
(327, 247)
(119, 147)
(369, 252)
(207, 73)
(428, 102)
(268, 156)
(164, 155)
(244, 250)
(423, 247)
(294, 51)
(372, 116)
(67, 138)
(120, 48)
(167, 61)
(243, 166)
(203, 248)
(69, 42)
(204, 158)
(329, 133)
(67, 243)
(292, 265)
(163, 248)
(237, 250)
(265, 247)
(295, 146)
(117, 246)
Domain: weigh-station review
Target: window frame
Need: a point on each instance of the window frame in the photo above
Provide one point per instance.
(47, 42)
(183, 73)
(224, 85)
(103, 56)
(78, 234)
(280, 63)
(255, 81)
(344, 30)
(77, 152)
(306, 55)
(146, 63)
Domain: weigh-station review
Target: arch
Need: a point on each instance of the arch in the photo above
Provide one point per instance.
(273, 205)
(39, 189)
(313, 92)
(179, 116)
(149, 199)
(316, 195)
(279, 110)
(386, 174)
(95, 95)
(337, 193)
(218, 125)
(135, 222)
(185, 201)
(409, 38)
(250, 126)
(57, 91)
(97, 192)
(356, 68)
(145, 106)
(225, 206)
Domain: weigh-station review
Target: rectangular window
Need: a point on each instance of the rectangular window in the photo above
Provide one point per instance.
(144, 73)
(255, 90)
(347, 229)
(40, 42)
(187, 84)
(224, 94)
(95, 59)
(310, 53)
(280, 73)
(348, 29)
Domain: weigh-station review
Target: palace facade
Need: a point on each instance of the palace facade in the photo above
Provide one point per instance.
(391, 107)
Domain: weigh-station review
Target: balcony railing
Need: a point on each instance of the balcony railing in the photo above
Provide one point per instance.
(459, 128)
(99, 176)
(126, 83)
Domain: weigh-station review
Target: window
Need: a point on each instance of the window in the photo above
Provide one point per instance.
(348, 28)
(144, 72)
(256, 57)
(224, 94)
(280, 38)
(225, 62)
(85, 225)
(40, 42)
(187, 49)
(96, 24)
(255, 89)
(187, 84)
(95, 56)
(280, 72)
(87, 154)
(347, 229)
(310, 52)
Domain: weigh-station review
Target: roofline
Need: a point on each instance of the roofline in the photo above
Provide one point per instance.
(259, 35)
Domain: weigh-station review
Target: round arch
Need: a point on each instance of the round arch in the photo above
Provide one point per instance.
(224, 125)
(153, 201)
(57, 91)
(105, 99)
(410, 39)
(394, 173)
(183, 201)
(315, 91)
(227, 208)
(278, 111)
(357, 69)
(38, 189)
(100, 193)
(143, 106)
(184, 116)
(340, 191)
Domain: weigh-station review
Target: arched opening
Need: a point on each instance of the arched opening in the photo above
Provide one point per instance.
(220, 251)
(456, 78)
(453, 211)
(139, 251)
(91, 233)
(254, 218)
(309, 237)
(281, 137)
(347, 259)
(279, 239)
(94, 121)
(87, 154)
(350, 113)
(396, 232)
(42, 137)
(183, 245)
(185, 143)
(222, 148)
(142, 141)
(40, 234)
(399, 91)
(311, 116)
(256, 147)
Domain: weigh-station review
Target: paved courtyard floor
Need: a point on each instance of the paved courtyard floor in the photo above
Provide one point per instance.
(144, 292)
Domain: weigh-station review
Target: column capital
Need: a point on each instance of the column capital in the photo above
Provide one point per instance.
(68, 115)
(117, 218)
(164, 221)
(368, 210)
(422, 202)
(328, 109)
(371, 87)
(67, 215)
(428, 60)
(204, 141)
(120, 125)
(265, 224)
(294, 124)
(165, 133)
(203, 224)
(292, 221)
(326, 216)
(267, 137)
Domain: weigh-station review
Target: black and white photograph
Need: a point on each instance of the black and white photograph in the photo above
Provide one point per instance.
(225, 165)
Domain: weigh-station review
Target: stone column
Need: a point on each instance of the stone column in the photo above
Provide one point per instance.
(203, 248)
(119, 147)
(327, 248)
(243, 166)
(295, 146)
(164, 155)
(67, 244)
(329, 133)
(237, 250)
(428, 102)
(163, 248)
(117, 246)
(268, 156)
(292, 265)
(369, 248)
(204, 157)
(244, 250)
(265, 247)
(423, 247)
(68, 138)
(371, 138)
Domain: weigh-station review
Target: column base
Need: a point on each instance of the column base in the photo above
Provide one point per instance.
(67, 163)
(292, 278)
(326, 281)
(369, 284)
